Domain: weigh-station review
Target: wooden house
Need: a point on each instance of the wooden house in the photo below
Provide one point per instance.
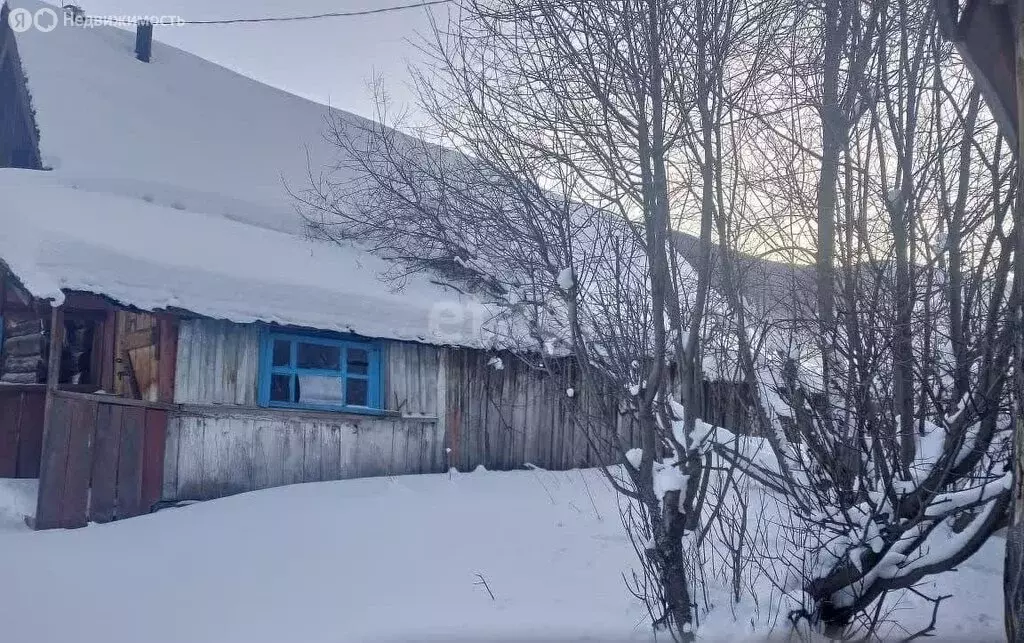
(169, 333)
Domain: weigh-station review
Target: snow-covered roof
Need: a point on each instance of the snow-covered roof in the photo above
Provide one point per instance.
(168, 189)
(179, 130)
(57, 235)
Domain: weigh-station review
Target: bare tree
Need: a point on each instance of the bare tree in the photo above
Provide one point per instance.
(903, 417)
(570, 139)
(574, 134)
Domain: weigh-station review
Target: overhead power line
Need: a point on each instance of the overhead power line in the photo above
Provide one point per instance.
(315, 16)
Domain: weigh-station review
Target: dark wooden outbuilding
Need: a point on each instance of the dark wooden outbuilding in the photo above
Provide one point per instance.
(983, 33)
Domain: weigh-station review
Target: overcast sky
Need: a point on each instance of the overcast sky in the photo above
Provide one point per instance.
(330, 61)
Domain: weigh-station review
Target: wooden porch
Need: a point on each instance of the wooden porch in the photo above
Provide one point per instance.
(102, 459)
(84, 393)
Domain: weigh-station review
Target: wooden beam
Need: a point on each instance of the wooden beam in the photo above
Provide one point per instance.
(53, 461)
(167, 355)
(6, 388)
(3, 307)
(76, 300)
(56, 348)
(115, 400)
(108, 352)
(3, 293)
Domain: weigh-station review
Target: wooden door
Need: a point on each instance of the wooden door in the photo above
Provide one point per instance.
(137, 357)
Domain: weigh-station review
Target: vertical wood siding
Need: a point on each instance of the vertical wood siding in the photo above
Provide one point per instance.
(217, 363)
(518, 414)
(448, 407)
(224, 444)
(411, 378)
(21, 430)
(102, 459)
(505, 418)
(220, 453)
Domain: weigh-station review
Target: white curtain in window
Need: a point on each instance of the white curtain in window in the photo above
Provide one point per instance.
(317, 389)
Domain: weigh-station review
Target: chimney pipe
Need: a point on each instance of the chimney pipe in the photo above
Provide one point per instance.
(144, 40)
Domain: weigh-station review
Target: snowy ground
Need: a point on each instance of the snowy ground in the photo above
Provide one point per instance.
(384, 559)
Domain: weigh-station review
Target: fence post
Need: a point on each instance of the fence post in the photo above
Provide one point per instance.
(53, 461)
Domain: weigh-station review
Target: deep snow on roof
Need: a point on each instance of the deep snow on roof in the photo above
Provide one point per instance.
(180, 129)
(168, 189)
(59, 236)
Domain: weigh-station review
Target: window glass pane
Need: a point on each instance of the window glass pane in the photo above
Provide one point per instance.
(357, 392)
(282, 352)
(358, 361)
(317, 389)
(280, 388)
(319, 356)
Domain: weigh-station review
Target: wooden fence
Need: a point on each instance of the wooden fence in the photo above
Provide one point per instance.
(505, 414)
(21, 429)
(103, 459)
(505, 417)
(725, 405)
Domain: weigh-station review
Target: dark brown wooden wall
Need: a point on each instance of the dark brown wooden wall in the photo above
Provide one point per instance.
(21, 430)
(112, 447)
(725, 406)
(504, 417)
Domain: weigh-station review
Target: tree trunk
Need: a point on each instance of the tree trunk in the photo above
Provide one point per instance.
(671, 565)
(833, 137)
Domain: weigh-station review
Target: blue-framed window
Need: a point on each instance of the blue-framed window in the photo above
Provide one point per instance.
(312, 372)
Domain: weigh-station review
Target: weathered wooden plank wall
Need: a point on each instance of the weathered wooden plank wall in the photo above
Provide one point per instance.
(102, 460)
(724, 405)
(213, 453)
(218, 362)
(447, 407)
(504, 417)
(21, 430)
(239, 447)
(411, 378)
